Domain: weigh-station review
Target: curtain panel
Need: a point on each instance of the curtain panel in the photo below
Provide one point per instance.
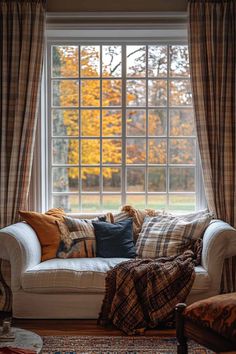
(21, 53)
(212, 46)
(22, 26)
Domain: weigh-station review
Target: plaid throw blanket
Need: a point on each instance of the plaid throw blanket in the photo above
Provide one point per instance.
(142, 293)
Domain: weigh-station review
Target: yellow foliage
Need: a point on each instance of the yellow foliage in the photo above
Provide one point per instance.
(111, 124)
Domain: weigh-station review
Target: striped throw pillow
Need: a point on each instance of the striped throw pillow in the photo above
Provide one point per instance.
(77, 238)
(138, 216)
(171, 235)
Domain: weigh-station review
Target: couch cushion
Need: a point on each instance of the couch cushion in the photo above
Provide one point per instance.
(202, 281)
(69, 275)
(171, 235)
(77, 238)
(138, 216)
(84, 275)
(114, 240)
(46, 229)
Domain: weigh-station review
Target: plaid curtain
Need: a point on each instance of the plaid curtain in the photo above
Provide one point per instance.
(21, 52)
(212, 45)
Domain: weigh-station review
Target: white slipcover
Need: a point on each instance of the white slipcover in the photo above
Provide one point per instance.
(74, 288)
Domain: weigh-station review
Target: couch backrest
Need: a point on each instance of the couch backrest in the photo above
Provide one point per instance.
(85, 215)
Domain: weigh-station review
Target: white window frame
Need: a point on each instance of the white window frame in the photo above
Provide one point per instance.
(58, 34)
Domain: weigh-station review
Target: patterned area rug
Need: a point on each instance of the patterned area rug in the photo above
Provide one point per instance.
(115, 345)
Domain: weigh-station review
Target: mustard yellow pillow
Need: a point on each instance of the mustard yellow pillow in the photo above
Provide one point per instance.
(46, 229)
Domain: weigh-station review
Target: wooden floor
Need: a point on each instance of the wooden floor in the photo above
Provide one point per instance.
(78, 327)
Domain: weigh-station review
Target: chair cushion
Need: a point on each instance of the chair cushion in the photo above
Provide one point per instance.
(69, 275)
(218, 313)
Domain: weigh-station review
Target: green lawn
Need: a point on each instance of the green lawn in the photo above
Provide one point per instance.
(90, 203)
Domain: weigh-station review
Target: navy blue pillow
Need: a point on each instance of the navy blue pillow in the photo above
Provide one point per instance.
(114, 240)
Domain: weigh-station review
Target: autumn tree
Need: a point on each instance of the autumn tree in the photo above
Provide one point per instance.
(76, 86)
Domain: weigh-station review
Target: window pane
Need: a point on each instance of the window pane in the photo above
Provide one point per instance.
(182, 151)
(105, 103)
(182, 179)
(90, 61)
(65, 61)
(157, 151)
(135, 179)
(157, 122)
(157, 60)
(138, 201)
(111, 92)
(90, 203)
(182, 203)
(65, 122)
(65, 179)
(90, 179)
(111, 202)
(136, 60)
(65, 151)
(157, 93)
(111, 151)
(90, 122)
(135, 122)
(65, 93)
(111, 60)
(135, 151)
(136, 93)
(179, 60)
(90, 93)
(157, 202)
(70, 203)
(156, 179)
(111, 122)
(182, 122)
(90, 151)
(111, 179)
(180, 93)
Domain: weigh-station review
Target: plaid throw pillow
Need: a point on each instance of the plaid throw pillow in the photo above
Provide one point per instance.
(169, 235)
(77, 238)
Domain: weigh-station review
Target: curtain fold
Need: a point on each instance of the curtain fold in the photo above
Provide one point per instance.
(212, 47)
(22, 26)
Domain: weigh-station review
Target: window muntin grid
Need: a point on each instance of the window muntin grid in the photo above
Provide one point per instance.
(138, 163)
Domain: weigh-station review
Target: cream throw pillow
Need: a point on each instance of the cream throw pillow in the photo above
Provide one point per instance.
(171, 235)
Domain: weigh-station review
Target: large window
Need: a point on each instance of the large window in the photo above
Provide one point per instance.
(121, 126)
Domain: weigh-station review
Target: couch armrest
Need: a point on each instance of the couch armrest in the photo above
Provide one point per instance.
(219, 242)
(19, 244)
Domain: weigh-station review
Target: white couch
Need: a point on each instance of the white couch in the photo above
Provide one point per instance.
(74, 288)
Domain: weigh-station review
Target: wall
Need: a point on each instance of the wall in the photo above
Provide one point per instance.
(115, 5)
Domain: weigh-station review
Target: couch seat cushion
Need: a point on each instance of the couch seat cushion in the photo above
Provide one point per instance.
(83, 275)
(202, 280)
(80, 275)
